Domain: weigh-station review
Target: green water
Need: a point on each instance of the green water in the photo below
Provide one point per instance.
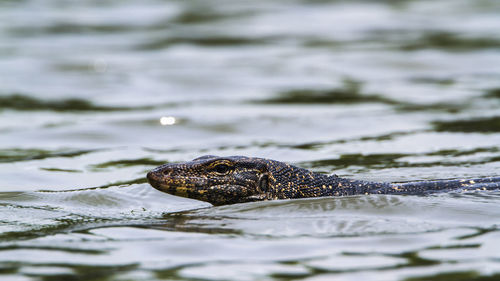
(373, 90)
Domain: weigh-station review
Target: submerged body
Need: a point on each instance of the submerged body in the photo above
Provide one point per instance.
(237, 179)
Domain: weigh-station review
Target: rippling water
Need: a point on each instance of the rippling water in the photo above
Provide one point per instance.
(374, 90)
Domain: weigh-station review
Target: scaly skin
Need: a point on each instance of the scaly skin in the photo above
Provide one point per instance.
(237, 179)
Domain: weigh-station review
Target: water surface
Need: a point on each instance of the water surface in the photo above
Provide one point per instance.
(373, 90)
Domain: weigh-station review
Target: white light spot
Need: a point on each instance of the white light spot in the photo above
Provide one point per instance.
(167, 120)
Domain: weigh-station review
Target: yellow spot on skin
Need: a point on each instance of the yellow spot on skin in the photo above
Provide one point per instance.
(471, 181)
(181, 191)
(324, 186)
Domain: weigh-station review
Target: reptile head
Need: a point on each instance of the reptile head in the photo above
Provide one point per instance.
(217, 180)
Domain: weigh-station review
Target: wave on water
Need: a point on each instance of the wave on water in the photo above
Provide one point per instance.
(319, 217)
(44, 212)
(346, 216)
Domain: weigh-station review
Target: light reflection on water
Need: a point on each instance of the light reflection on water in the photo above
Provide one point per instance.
(167, 120)
(93, 95)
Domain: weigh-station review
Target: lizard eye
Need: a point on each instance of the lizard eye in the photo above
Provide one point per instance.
(222, 169)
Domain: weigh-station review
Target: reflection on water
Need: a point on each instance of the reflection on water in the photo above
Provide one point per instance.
(486, 125)
(23, 102)
(167, 120)
(95, 94)
(133, 231)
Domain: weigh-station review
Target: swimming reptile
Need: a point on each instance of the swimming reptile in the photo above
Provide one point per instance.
(237, 179)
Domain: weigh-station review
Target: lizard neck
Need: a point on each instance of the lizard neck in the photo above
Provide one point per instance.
(293, 182)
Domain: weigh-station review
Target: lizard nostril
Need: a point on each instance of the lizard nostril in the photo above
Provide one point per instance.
(150, 176)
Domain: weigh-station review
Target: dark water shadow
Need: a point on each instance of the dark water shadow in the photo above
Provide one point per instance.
(187, 221)
(124, 183)
(474, 125)
(450, 41)
(369, 161)
(128, 163)
(396, 160)
(447, 81)
(493, 93)
(28, 103)
(18, 154)
(74, 272)
(457, 276)
(203, 41)
(199, 15)
(350, 93)
(63, 28)
(189, 16)
(60, 170)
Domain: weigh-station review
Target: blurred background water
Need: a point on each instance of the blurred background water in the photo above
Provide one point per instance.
(93, 94)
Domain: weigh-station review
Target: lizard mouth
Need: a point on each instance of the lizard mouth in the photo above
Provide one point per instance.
(171, 184)
(257, 197)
